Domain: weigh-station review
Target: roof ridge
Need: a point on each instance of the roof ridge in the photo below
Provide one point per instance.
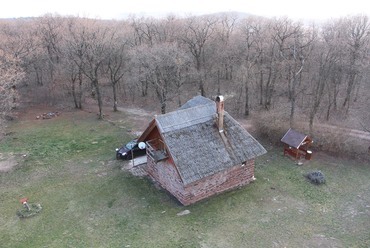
(187, 109)
(186, 117)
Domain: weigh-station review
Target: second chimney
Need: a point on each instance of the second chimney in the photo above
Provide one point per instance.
(220, 113)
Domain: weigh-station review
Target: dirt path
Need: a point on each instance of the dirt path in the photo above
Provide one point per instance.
(137, 111)
(351, 132)
(142, 115)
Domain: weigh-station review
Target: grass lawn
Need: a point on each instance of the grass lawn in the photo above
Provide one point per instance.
(69, 168)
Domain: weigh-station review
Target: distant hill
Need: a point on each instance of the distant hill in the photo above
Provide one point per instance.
(239, 15)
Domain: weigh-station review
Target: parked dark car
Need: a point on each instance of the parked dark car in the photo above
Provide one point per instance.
(132, 148)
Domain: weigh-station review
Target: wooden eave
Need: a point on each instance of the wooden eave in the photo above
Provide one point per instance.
(147, 131)
(153, 124)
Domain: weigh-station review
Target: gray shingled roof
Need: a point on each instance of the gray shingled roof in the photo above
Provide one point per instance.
(195, 144)
(196, 101)
(186, 117)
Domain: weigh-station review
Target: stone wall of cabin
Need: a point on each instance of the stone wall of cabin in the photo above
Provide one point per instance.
(166, 175)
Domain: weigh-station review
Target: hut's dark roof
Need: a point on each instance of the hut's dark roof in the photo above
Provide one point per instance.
(293, 138)
(196, 146)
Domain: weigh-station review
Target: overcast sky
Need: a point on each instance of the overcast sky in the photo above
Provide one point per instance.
(118, 9)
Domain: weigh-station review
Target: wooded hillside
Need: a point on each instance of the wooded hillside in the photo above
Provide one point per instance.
(274, 69)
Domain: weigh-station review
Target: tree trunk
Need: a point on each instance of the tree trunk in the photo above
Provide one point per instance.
(218, 83)
(246, 111)
(292, 101)
(79, 93)
(261, 87)
(328, 111)
(99, 98)
(268, 94)
(74, 95)
(163, 103)
(335, 96)
(179, 103)
(114, 87)
(38, 77)
(201, 86)
(144, 87)
(347, 99)
(311, 123)
(292, 108)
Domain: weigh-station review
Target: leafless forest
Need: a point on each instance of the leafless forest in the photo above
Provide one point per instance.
(278, 72)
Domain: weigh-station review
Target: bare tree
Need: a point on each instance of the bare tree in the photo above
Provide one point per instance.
(75, 49)
(117, 60)
(357, 34)
(260, 61)
(196, 35)
(294, 43)
(252, 33)
(164, 66)
(224, 31)
(325, 60)
(145, 30)
(89, 44)
(11, 75)
(18, 38)
(332, 37)
(50, 31)
(76, 80)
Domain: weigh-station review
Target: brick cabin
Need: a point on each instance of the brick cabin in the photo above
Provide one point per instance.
(199, 150)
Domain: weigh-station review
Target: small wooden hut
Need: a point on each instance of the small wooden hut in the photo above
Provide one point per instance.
(297, 145)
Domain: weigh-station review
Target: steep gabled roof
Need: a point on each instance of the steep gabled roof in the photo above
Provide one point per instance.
(195, 144)
(293, 138)
(186, 117)
(196, 101)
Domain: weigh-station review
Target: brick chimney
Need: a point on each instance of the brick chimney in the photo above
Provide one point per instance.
(220, 113)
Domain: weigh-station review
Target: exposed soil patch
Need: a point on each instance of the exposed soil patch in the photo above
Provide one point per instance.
(7, 162)
(141, 117)
(39, 112)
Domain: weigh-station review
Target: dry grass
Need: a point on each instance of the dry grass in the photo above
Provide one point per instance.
(329, 138)
(88, 201)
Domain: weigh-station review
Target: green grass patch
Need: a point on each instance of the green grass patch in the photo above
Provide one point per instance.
(89, 201)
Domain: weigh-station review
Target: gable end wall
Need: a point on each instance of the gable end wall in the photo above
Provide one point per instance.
(166, 175)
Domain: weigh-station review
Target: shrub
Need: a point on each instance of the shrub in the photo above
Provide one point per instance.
(339, 142)
(329, 138)
(34, 209)
(271, 125)
(316, 177)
